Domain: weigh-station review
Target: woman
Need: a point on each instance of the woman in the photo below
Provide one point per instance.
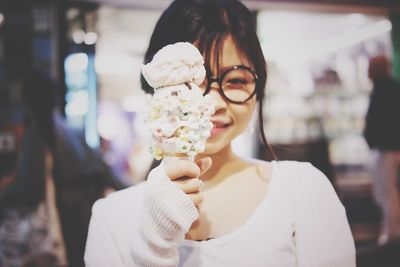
(249, 212)
(45, 212)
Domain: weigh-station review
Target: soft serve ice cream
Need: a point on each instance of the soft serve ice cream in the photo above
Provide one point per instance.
(179, 115)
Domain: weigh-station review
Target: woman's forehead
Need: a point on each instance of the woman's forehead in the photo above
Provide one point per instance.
(229, 56)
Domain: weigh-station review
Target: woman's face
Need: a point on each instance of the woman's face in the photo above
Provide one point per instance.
(229, 119)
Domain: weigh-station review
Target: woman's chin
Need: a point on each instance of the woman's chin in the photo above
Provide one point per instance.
(213, 146)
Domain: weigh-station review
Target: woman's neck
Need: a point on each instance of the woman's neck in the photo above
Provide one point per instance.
(224, 163)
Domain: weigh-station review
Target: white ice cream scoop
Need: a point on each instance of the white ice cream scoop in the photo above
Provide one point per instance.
(179, 114)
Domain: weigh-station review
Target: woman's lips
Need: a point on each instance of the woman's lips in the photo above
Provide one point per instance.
(219, 127)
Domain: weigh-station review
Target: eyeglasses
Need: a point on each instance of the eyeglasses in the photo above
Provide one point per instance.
(236, 85)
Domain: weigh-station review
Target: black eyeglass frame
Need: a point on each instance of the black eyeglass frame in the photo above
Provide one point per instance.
(221, 78)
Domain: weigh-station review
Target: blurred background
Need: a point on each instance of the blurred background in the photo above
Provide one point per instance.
(318, 88)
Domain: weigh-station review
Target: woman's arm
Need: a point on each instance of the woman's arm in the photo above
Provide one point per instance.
(167, 210)
(323, 236)
(168, 214)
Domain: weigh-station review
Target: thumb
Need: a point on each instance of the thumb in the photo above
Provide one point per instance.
(204, 164)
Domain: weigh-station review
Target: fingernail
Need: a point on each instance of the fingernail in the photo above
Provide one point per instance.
(201, 184)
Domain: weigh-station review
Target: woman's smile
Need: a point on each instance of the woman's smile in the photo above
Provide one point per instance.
(219, 127)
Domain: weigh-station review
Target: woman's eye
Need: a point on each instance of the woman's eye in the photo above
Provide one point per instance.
(237, 81)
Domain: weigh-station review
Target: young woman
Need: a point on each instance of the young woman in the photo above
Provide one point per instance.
(249, 212)
(45, 211)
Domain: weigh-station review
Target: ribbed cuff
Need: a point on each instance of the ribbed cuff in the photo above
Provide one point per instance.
(168, 210)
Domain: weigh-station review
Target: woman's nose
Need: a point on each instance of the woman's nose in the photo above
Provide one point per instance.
(216, 98)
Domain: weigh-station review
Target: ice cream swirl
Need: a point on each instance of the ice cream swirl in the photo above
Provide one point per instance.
(179, 115)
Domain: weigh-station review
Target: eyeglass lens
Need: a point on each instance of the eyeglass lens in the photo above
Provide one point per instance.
(237, 84)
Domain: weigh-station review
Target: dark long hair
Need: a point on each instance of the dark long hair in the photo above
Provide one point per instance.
(207, 23)
(39, 98)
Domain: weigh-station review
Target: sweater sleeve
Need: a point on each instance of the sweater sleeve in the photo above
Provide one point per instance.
(162, 218)
(167, 216)
(322, 232)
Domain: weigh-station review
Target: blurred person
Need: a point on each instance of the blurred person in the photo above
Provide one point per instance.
(46, 210)
(222, 209)
(382, 134)
(44, 259)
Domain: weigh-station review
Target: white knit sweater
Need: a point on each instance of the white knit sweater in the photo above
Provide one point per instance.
(300, 222)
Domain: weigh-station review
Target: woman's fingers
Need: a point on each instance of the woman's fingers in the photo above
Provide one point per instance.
(204, 164)
(176, 168)
(196, 198)
(188, 186)
(186, 174)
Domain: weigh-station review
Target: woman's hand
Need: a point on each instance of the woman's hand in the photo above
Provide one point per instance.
(186, 175)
